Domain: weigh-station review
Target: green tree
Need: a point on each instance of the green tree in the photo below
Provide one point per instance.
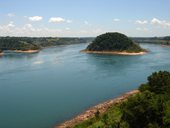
(143, 111)
(114, 41)
(158, 82)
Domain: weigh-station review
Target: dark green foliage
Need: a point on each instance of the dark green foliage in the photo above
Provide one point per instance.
(166, 118)
(143, 111)
(144, 87)
(114, 42)
(159, 82)
(151, 108)
(97, 114)
(17, 43)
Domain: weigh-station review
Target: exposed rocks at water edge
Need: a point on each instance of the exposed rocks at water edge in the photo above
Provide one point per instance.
(102, 107)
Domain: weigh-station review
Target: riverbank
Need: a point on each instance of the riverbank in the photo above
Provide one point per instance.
(114, 52)
(102, 107)
(27, 51)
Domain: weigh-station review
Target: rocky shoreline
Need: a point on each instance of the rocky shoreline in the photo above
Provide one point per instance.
(102, 107)
(114, 52)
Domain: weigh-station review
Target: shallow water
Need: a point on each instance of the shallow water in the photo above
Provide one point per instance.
(44, 89)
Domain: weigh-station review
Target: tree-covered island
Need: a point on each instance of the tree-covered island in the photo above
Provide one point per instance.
(114, 43)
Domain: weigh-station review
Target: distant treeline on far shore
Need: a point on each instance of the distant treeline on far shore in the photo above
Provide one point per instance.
(36, 43)
(154, 40)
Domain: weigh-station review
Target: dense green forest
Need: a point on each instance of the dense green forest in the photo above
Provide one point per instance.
(148, 109)
(17, 43)
(114, 42)
(28, 43)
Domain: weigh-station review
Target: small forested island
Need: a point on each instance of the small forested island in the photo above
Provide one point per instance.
(114, 43)
(147, 108)
(34, 44)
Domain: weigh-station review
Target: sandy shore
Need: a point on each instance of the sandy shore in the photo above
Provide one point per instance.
(28, 51)
(114, 52)
(1, 53)
(91, 112)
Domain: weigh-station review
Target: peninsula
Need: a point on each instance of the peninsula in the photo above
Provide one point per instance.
(35, 44)
(114, 43)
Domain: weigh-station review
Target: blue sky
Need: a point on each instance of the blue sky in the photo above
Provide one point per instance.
(84, 17)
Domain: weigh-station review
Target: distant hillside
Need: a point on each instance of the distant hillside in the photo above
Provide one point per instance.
(17, 43)
(28, 43)
(114, 42)
(154, 40)
(166, 38)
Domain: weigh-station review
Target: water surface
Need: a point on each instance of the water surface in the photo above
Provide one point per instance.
(41, 90)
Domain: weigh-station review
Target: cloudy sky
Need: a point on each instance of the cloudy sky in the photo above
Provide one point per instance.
(84, 18)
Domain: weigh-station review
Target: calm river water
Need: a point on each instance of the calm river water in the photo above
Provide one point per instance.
(44, 89)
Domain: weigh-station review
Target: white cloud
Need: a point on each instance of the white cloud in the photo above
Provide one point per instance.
(11, 24)
(56, 20)
(35, 18)
(29, 30)
(11, 15)
(28, 27)
(161, 23)
(7, 29)
(116, 20)
(141, 22)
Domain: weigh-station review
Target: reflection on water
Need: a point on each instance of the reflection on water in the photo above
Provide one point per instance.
(40, 90)
(111, 64)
